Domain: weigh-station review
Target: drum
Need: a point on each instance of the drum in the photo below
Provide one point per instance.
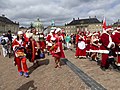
(20, 54)
(81, 45)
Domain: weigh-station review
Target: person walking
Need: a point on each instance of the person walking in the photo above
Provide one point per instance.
(67, 40)
(19, 46)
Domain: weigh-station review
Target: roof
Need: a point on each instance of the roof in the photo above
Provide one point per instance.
(117, 23)
(6, 20)
(84, 21)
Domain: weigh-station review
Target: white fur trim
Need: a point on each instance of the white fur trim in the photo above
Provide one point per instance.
(118, 27)
(82, 56)
(53, 38)
(95, 39)
(52, 31)
(95, 33)
(110, 42)
(114, 32)
(57, 30)
(41, 36)
(20, 32)
(109, 45)
(117, 52)
(46, 42)
(49, 44)
(14, 48)
(102, 51)
(99, 51)
(118, 64)
(109, 29)
(89, 34)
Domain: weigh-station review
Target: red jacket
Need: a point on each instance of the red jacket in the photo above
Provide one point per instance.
(106, 41)
(19, 44)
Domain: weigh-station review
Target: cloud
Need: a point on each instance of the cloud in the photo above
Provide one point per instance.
(62, 11)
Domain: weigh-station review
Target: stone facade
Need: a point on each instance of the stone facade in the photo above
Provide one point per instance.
(90, 24)
(116, 24)
(6, 24)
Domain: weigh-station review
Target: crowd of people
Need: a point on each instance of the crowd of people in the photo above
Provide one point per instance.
(106, 43)
(33, 45)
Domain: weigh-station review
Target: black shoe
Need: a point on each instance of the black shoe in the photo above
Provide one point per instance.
(118, 67)
(48, 53)
(103, 68)
(98, 62)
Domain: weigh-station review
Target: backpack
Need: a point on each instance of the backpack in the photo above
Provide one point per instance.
(3, 41)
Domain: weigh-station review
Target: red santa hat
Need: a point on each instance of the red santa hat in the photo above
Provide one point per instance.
(109, 28)
(57, 30)
(20, 32)
(95, 33)
(52, 31)
(89, 35)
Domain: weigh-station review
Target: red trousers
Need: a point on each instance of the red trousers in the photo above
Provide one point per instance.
(42, 45)
(118, 59)
(104, 60)
(24, 65)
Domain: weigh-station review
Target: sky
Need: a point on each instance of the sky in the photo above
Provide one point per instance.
(61, 11)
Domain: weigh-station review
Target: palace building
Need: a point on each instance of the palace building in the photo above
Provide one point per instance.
(6, 24)
(89, 24)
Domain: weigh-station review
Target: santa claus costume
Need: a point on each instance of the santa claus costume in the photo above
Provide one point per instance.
(42, 42)
(81, 46)
(57, 51)
(116, 39)
(88, 45)
(48, 40)
(59, 39)
(19, 45)
(107, 44)
(95, 46)
(35, 46)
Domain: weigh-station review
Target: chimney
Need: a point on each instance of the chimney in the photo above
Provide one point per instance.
(118, 20)
(3, 15)
(89, 17)
(73, 19)
(78, 18)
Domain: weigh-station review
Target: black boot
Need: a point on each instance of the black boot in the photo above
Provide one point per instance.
(103, 68)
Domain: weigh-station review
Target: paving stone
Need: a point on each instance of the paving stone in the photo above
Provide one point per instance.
(43, 77)
(108, 79)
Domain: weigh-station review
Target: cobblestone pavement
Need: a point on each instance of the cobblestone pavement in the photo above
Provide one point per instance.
(42, 77)
(110, 79)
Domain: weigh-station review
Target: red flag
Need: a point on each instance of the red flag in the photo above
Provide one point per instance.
(104, 24)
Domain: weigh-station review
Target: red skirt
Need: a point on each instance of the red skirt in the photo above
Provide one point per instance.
(80, 52)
